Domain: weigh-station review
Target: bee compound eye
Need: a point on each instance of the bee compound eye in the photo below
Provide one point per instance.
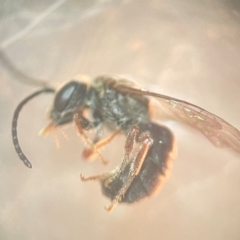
(64, 95)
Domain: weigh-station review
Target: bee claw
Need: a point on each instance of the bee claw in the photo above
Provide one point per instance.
(108, 208)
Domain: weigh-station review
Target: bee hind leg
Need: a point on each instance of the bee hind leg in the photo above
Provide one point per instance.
(136, 163)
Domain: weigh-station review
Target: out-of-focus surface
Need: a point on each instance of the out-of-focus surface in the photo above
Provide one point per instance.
(186, 49)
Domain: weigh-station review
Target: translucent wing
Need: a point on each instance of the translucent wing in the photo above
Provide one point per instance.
(219, 132)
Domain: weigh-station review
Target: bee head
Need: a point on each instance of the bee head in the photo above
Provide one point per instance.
(68, 99)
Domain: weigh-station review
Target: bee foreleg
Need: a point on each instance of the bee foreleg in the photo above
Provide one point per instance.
(83, 124)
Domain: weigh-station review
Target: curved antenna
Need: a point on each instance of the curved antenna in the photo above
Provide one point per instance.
(15, 122)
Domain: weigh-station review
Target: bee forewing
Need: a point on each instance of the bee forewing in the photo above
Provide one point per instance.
(221, 133)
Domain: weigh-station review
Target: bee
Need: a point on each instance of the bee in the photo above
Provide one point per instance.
(121, 106)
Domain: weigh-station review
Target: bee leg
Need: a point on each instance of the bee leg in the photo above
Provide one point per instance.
(99, 133)
(84, 124)
(146, 142)
(94, 178)
(91, 151)
(88, 152)
(133, 136)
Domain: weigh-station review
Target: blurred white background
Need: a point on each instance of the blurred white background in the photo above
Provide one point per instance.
(186, 49)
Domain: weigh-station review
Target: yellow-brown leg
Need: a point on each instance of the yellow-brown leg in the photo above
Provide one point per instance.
(88, 152)
(87, 140)
(93, 178)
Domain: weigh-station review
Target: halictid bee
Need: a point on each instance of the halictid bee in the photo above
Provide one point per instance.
(121, 106)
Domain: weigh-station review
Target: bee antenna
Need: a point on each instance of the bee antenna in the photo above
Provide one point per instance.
(15, 122)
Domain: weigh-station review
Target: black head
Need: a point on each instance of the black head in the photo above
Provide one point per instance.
(68, 99)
